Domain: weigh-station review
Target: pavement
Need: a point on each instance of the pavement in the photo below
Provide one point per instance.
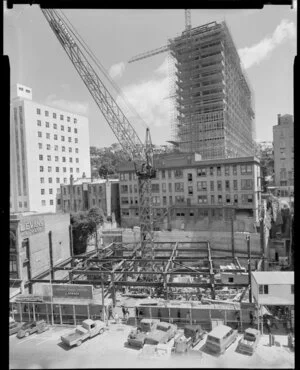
(109, 350)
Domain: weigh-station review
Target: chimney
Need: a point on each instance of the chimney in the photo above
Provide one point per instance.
(278, 118)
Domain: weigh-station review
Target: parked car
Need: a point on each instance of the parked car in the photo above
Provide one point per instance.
(32, 327)
(220, 338)
(136, 338)
(162, 334)
(88, 329)
(14, 327)
(249, 341)
(148, 325)
(189, 338)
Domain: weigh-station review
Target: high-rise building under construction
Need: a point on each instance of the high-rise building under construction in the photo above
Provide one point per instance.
(213, 97)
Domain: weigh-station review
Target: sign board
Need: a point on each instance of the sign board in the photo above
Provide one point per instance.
(72, 291)
(31, 225)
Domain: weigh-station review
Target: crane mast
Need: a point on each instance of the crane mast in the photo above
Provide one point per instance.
(141, 154)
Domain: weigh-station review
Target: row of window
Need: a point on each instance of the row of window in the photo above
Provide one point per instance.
(264, 289)
(202, 199)
(62, 127)
(54, 115)
(246, 184)
(50, 180)
(55, 137)
(205, 171)
(51, 202)
(49, 158)
(23, 205)
(57, 169)
(199, 213)
(50, 191)
(91, 189)
(63, 148)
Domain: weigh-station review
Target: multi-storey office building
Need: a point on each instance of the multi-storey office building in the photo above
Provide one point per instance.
(214, 106)
(283, 142)
(83, 194)
(195, 189)
(47, 145)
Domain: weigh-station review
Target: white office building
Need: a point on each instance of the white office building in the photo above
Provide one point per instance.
(47, 145)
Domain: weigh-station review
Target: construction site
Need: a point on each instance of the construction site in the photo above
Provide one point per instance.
(170, 276)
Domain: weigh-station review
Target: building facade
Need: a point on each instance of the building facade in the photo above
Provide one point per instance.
(47, 145)
(85, 193)
(214, 102)
(283, 142)
(37, 241)
(191, 189)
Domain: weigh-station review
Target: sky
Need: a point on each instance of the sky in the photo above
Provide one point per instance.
(265, 40)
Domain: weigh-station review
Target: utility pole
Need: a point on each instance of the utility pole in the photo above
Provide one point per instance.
(249, 267)
(232, 238)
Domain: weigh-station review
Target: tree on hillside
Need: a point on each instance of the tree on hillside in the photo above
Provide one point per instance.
(83, 226)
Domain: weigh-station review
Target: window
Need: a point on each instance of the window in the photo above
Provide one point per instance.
(47, 124)
(64, 169)
(51, 202)
(227, 185)
(38, 111)
(75, 120)
(190, 177)
(211, 171)
(263, 289)
(47, 135)
(218, 171)
(57, 169)
(68, 119)
(40, 146)
(42, 180)
(40, 157)
(164, 187)
(70, 150)
(46, 113)
(51, 190)
(70, 139)
(54, 115)
(62, 138)
(76, 150)
(39, 122)
(156, 200)
(164, 201)
(201, 171)
(179, 186)
(63, 149)
(220, 199)
(230, 280)
(48, 147)
(179, 199)
(212, 199)
(57, 180)
(226, 170)
(201, 185)
(190, 190)
(155, 188)
(246, 169)
(43, 202)
(77, 170)
(55, 147)
(234, 169)
(124, 188)
(70, 159)
(56, 159)
(292, 289)
(65, 179)
(41, 169)
(76, 140)
(55, 126)
(124, 200)
(61, 117)
(236, 199)
(48, 157)
(20, 204)
(49, 169)
(202, 199)
(170, 174)
(39, 134)
(55, 137)
(42, 191)
(247, 198)
(75, 130)
(178, 173)
(235, 185)
(77, 160)
(163, 174)
(219, 184)
(246, 184)
(135, 188)
(227, 198)
(69, 129)
(62, 128)
(170, 187)
(212, 186)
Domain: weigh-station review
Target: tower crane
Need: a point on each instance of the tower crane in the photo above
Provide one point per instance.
(140, 154)
(165, 48)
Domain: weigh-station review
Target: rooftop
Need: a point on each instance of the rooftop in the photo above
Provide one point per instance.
(274, 277)
(219, 331)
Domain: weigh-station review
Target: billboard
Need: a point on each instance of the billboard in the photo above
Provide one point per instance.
(71, 291)
(31, 225)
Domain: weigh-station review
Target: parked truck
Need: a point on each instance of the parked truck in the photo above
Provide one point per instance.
(88, 329)
(189, 338)
(162, 334)
(249, 341)
(137, 336)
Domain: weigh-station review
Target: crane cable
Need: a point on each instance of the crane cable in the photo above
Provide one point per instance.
(102, 68)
